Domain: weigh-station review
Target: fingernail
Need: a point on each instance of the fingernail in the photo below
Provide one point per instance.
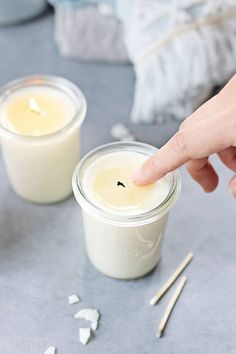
(137, 175)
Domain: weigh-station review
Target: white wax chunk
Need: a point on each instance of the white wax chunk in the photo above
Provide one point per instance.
(84, 335)
(73, 299)
(94, 325)
(128, 137)
(119, 131)
(51, 350)
(88, 315)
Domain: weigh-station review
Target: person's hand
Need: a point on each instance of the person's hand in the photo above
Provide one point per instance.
(210, 129)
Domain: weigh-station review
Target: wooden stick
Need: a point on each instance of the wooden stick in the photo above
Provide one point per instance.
(170, 306)
(172, 279)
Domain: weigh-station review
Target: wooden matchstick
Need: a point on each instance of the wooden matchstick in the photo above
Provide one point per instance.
(172, 279)
(170, 306)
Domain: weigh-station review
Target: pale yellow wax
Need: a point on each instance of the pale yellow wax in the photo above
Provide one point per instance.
(37, 111)
(101, 184)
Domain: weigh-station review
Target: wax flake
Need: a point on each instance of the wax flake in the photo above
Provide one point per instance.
(84, 335)
(94, 325)
(51, 350)
(88, 315)
(73, 299)
(128, 137)
(119, 131)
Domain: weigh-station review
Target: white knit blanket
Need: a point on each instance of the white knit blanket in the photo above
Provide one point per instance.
(180, 49)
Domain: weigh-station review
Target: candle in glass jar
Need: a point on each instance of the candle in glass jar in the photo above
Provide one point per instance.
(40, 121)
(124, 224)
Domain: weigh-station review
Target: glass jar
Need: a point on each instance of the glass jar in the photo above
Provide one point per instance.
(123, 246)
(40, 167)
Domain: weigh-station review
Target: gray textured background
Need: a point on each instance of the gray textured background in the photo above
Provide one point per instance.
(42, 254)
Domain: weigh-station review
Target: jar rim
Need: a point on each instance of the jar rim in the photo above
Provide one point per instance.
(51, 81)
(121, 219)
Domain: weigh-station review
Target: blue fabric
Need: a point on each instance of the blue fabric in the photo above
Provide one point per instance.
(82, 3)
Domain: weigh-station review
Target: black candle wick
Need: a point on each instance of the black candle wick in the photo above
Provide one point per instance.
(120, 184)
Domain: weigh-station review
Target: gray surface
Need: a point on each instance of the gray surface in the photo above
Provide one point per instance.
(42, 254)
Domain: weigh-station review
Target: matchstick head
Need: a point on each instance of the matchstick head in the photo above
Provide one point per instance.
(153, 301)
(159, 333)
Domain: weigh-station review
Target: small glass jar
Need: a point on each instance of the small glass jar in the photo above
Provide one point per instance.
(40, 168)
(123, 246)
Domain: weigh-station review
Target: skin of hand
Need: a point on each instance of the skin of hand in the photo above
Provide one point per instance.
(210, 129)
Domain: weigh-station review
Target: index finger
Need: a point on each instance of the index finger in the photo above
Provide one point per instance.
(201, 140)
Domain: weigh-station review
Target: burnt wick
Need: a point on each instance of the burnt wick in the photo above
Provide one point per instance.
(120, 184)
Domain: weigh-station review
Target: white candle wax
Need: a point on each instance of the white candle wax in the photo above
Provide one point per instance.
(124, 224)
(40, 124)
(37, 111)
(108, 184)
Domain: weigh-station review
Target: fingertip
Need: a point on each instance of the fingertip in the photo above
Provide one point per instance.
(141, 178)
(210, 184)
(137, 177)
(203, 173)
(210, 187)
